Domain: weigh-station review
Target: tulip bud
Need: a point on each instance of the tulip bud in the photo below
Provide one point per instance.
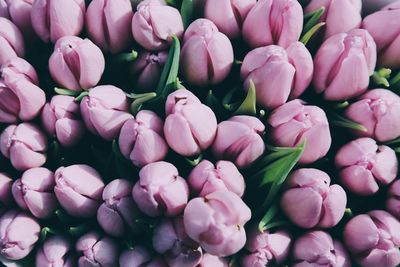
(335, 75)
(19, 12)
(11, 41)
(18, 235)
(55, 251)
(214, 261)
(16, 66)
(25, 145)
(6, 182)
(53, 19)
(136, 257)
(317, 248)
(34, 192)
(393, 200)
(160, 190)
(105, 110)
(142, 140)
(364, 166)
(154, 23)
(157, 262)
(96, 250)
(76, 63)
(205, 178)
(374, 239)
(377, 111)
(195, 122)
(278, 74)
(277, 22)
(222, 233)
(207, 54)
(78, 189)
(293, 123)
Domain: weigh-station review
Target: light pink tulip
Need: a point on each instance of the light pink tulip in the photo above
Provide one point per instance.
(214, 261)
(55, 251)
(135, 257)
(16, 66)
(11, 41)
(393, 200)
(6, 182)
(19, 12)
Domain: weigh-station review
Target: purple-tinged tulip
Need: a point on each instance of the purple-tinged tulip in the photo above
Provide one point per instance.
(277, 22)
(53, 19)
(76, 63)
(11, 41)
(310, 201)
(154, 23)
(293, 123)
(25, 145)
(34, 192)
(16, 66)
(339, 16)
(335, 75)
(157, 262)
(207, 54)
(195, 122)
(108, 24)
(55, 251)
(217, 221)
(19, 12)
(214, 261)
(278, 74)
(136, 257)
(239, 140)
(18, 234)
(105, 110)
(142, 139)
(6, 182)
(160, 190)
(60, 118)
(364, 166)
(317, 248)
(96, 250)
(79, 189)
(393, 201)
(374, 239)
(377, 111)
(206, 178)
(118, 213)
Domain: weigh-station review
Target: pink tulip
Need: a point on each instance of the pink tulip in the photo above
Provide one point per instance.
(195, 122)
(105, 110)
(374, 239)
(25, 145)
(18, 234)
(207, 54)
(160, 190)
(6, 182)
(79, 189)
(393, 200)
(11, 41)
(34, 192)
(364, 166)
(377, 111)
(55, 251)
(214, 261)
(136, 257)
(335, 75)
(108, 23)
(19, 66)
(216, 221)
(76, 63)
(371, 6)
(154, 23)
(206, 178)
(142, 140)
(53, 19)
(19, 12)
(60, 118)
(278, 74)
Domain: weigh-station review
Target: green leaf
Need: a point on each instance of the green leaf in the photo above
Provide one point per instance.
(187, 10)
(248, 107)
(312, 19)
(342, 122)
(63, 91)
(307, 36)
(194, 161)
(341, 105)
(392, 142)
(395, 80)
(138, 102)
(267, 218)
(80, 229)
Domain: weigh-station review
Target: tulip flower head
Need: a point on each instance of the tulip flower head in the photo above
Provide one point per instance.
(55, 251)
(11, 41)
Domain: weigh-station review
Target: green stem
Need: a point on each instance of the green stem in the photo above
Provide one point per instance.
(81, 96)
(64, 91)
(137, 103)
(381, 76)
(307, 36)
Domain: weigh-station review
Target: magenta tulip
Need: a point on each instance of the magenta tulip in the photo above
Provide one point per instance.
(55, 251)
(11, 41)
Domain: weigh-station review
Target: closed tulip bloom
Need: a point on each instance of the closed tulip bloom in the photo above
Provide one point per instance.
(78, 189)
(16, 66)
(214, 261)
(217, 222)
(18, 234)
(135, 257)
(105, 110)
(19, 12)
(364, 166)
(113, 33)
(277, 22)
(96, 250)
(6, 182)
(34, 192)
(371, 6)
(374, 239)
(377, 111)
(317, 248)
(76, 63)
(293, 123)
(207, 54)
(55, 251)
(335, 75)
(11, 41)
(206, 178)
(25, 145)
(195, 122)
(142, 139)
(160, 190)
(393, 200)
(53, 19)
(154, 23)
(278, 74)
(239, 140)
